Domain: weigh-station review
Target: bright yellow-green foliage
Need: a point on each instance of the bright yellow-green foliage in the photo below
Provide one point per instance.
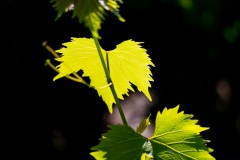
(90, 12)
(176, 137)
(128, 63)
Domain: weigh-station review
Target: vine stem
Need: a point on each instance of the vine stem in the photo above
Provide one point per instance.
(77, 79)
(109, 80)
(48, 62)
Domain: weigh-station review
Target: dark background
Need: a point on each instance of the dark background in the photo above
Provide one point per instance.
(194, 45)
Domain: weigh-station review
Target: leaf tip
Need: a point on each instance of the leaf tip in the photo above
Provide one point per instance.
(57, 77)
(177, 107)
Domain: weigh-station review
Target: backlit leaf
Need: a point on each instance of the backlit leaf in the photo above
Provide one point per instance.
(176, 137)
(128, 64)
(90, 12)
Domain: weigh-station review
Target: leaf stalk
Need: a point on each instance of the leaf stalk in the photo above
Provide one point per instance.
(109, 81)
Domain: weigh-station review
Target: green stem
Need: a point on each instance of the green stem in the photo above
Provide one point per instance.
(110, 81)
(80, 80)
(77, 79)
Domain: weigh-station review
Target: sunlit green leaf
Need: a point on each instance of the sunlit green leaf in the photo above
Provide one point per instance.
(90, 12)
(176, 137)
(128, 63)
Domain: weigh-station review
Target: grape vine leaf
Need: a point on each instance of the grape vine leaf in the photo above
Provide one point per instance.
(176, 137)
(121, 142)
(90, 12)
(128, 64)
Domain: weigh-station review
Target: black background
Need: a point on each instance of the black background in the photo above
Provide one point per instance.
(188, 47)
